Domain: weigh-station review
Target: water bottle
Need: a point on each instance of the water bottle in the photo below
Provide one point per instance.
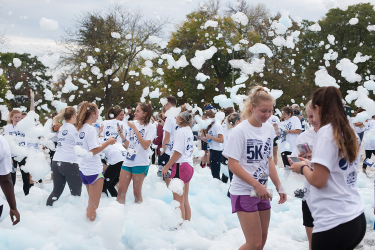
(209, 140)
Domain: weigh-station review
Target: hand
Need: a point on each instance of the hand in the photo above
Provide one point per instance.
(112, 140)
(14, 213)
(287, 132)
(161, 122)
(101, 129)
(31, 94)
(164, 171)
(208, 136)
(262, 192)
(282, 198)
(305, 155)
(275, 126)
(132, 126)
(120, 129)
(296, 167)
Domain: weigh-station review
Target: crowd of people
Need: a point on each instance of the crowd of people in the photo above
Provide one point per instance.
(241, 147)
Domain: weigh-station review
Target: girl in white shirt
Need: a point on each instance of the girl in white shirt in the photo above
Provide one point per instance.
(181, 160)
(136, 164)
(335, 204)
(64, 162)
(90, 166)
(368, 145)
(249, 152)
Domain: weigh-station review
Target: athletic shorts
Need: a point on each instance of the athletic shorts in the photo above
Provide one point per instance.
(275, 142)
(182, 171)
(90, 179)
(308, 220)
(136, 169)
(248, 204)
(163, 159)
(204, 145)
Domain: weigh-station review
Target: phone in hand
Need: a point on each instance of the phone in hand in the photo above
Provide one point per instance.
(294, 159)
(304, 148)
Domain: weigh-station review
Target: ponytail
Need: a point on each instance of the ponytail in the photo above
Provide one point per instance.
(113, 112)
(86, 109)
(64, 114)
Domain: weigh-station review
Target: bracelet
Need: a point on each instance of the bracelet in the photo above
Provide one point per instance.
(301, 169)
(124, 141)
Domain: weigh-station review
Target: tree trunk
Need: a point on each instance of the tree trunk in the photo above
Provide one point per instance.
(220, 85)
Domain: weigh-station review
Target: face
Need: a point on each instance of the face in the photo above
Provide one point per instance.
(263, 111)
(16, 118)
(316, 114)
(139, 114)
(167, 106)
(310, 117)
(120, 116)
(23, 116)
(285, 115)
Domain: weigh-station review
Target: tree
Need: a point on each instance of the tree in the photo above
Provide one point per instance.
(112, 42)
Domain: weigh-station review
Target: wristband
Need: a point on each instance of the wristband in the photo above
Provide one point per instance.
(124, 141)
(301, 169)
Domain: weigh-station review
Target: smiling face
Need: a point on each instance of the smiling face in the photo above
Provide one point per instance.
(285, 115)
(310, 117)
(16, 118)
(120, 116)
(263, 111)
(139, 114)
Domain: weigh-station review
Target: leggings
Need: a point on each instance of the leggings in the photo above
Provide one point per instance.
(111, 178)
(64, 172)
(25, 176)
(215, 161)
(368, 155)
(343, 237)
(285, 158)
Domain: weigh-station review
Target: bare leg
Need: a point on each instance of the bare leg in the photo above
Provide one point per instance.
(309, 235)
(94, 198)
(186, 202)
(137, 187)
(252, 228)
(167, 180)
(265, 222)
(180, 199)
(124, 181)
(274, 158)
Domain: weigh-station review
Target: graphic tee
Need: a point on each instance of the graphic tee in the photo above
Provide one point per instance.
(171, 127)
(9, 129)
(136, 154)
(216, 130)
(288, 141)
(338, 201)
(87, 139)
(110, 129)
(5, 160)
(369, 144)
(65, 144)
(184, 145)
(251, 147)
(274, 119)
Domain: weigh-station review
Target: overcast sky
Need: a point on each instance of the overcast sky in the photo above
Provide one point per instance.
(19, 19)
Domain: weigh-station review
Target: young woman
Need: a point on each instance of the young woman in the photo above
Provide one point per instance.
(307, 137)
(136, 164)
(90, 167)
(288, 136)
(205, 160)
(368, 145)
(359, 127)
(181, 160)
(335, 204)
(64, 162)
(249, 151)
(113, 127)
(215, 137)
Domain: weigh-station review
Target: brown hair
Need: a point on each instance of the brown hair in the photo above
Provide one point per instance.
(64, 113)
(332, 111)
(360, 110)
(231, 120)
(287, 110)
(13, 112)
(115, 111)
(172, 100)
(147, 108)
(86, 109)
(186, 114)
(209, 114)
(256, 94)
(228, 111)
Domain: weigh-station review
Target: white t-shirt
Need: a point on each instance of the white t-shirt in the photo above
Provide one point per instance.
(306, 137)
(216, 130)
(170, 126)
(251, 147)
(356, 129)
(338, 201)
(368, 144)
(5, 160)
(225, 132)
(87, 139)
(65, 144)
(184, 145)
(110, 129)
(113, 154)
(136, 154)
(288, 141)
(9, 129)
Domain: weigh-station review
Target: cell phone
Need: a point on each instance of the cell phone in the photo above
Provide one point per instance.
(116, 136)
(293, 159)
(303, 148)
(157, 117)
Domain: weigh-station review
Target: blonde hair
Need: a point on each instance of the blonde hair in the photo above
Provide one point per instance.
(11, 114)
(64, 114)
(186, 114)
(231, 120)
(86, 109)
(256, 95)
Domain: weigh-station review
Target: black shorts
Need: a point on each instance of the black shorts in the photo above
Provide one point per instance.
(308, 220)
(275, 142)
(204, 145)
(163, 159)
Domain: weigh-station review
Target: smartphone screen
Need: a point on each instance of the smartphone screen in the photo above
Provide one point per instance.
(294, 159)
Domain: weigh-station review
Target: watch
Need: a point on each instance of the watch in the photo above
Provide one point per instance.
(301, 169)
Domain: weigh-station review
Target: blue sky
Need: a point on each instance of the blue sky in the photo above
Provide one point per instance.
(19, 19)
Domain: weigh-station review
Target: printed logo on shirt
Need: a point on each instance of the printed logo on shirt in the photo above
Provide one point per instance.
(283, 134)
(65, 132)
(267, 148)
(274, 120)
(108, 127)
(254, 150)
(343, 164)
(176, 128)
(20, 134)
(82, 135)
(351, 179)
(190, 147)
(261, 173)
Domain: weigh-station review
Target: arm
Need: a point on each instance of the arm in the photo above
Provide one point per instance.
(99, 149)
(219, 139)
(7, 187)
(176, 155)
(275, 179)
(145, 144)
(359, 124)
(56, 127)
(293, 131)
(126, 144)
(317, 178)
(120, 131)
(32, 105)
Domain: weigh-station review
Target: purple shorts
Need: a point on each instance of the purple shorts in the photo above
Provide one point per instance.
(182, 171)
(90, 179)
(248, 204)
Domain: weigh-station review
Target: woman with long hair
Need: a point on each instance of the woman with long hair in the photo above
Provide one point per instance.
(335, 204)
(64, 166)
(90, 166)
(249, 153)
(136, 164)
